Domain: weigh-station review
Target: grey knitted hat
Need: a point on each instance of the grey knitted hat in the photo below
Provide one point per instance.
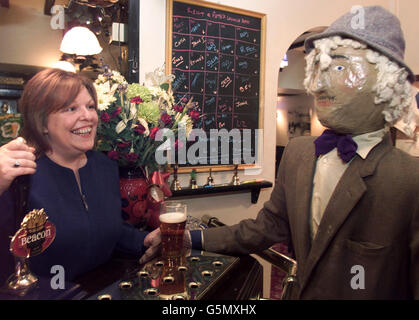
(381, 32)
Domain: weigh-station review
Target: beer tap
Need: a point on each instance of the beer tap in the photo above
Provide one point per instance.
(235, 181)
(210, 180)
(192, 183)
(175, 183)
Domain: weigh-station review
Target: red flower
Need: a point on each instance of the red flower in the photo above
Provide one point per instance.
(105, 117)
(116, 112)
(178, 108)
(131, 157)
(153, 132)
(136, 100)
(139, 129)
(113, 155)
(166, 118)
(194, 115)
(123, 144)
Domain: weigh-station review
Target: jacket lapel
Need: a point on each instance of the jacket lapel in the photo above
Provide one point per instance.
(304, 188)
(348, 192)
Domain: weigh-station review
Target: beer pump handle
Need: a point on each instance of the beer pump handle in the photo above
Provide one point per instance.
(19, 190)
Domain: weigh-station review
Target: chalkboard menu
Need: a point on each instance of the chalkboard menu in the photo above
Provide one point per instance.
(215, 53)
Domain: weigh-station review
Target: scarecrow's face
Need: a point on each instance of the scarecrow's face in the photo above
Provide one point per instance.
(344, 95)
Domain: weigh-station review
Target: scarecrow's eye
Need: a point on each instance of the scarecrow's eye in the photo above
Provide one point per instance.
(339, 68)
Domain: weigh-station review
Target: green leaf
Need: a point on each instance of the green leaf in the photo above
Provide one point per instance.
(165, 86)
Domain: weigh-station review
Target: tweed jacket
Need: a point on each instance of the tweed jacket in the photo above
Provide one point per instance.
(369, 233)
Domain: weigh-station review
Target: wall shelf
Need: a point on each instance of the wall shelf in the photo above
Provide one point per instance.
(252, 187)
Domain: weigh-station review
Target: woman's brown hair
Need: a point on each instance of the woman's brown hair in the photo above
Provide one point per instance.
(49, 91)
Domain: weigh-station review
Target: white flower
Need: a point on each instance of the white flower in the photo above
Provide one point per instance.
(170, 111)
(155, 91)
(165, 99)
(118, 78)
(101, 79)
(104, 100)
(132, 111)
(184, 121)
(105, 95)
(120, 126)
(158, 77)
(145, 125)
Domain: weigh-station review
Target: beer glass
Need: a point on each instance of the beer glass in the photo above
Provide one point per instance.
(172, 226)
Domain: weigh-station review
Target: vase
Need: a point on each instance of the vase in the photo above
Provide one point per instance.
(134, 190)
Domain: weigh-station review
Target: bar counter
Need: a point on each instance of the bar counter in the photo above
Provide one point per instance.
(196, 275)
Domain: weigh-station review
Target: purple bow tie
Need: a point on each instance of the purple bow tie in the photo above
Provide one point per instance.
(343, 142)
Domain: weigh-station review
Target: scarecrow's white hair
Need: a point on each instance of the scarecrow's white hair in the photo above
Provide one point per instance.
(392, 87)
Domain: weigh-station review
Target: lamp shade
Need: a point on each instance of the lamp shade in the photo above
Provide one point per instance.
(80, 41)
(64, 65)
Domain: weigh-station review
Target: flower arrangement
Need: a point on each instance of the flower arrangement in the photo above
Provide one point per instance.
(131, 115)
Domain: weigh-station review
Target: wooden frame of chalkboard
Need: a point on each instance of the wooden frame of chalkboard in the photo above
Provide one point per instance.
(217, 54)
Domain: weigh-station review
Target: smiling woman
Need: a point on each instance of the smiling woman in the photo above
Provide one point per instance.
(71, 131)
(49, 93)
(77, 187)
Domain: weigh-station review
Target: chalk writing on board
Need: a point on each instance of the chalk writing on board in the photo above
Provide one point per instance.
(216, 61)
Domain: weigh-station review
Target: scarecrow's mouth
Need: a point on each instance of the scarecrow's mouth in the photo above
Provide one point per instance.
(324, 101)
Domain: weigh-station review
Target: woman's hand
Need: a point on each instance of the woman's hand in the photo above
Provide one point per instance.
(16, 159)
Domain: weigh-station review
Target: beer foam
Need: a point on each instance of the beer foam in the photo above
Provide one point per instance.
(172, 217)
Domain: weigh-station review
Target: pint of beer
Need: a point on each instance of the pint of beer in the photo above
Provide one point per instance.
(172, 227)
